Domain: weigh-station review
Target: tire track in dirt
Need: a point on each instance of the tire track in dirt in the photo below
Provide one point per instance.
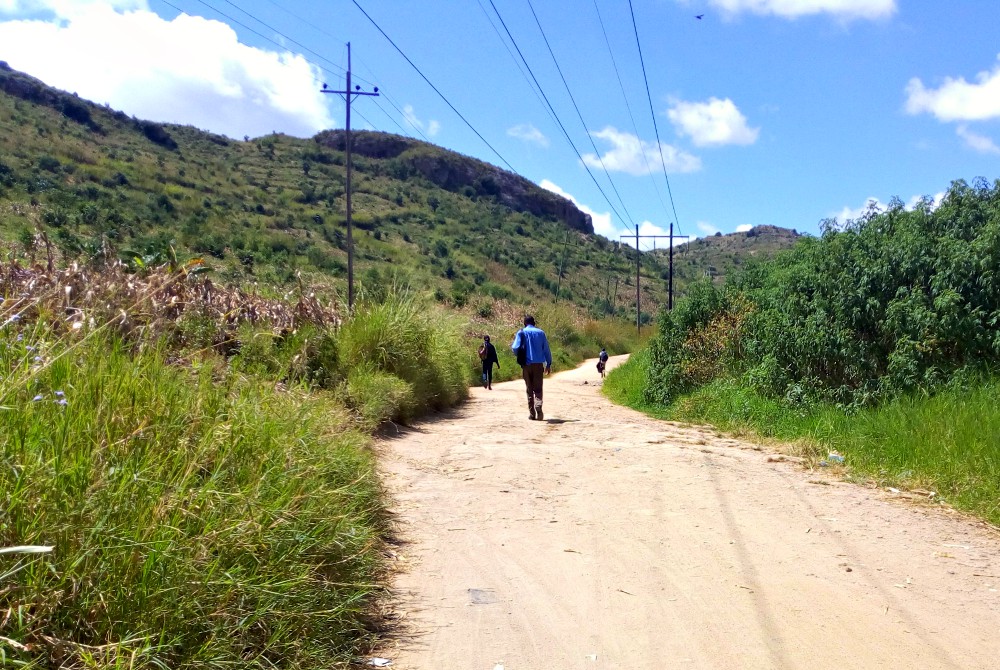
(602, 538)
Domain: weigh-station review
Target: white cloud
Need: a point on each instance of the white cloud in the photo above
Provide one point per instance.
(853, 213)
(189, 70)
(431, 127)
(65, 8)
(977, 142)
(792, 9)
(957, 99)
(601, 220)
(528, 133)
(603, 224)
(713, 123)
(637, 157)
(744, 228)
(706, 228)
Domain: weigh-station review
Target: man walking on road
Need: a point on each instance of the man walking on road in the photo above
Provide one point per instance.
(537, 362)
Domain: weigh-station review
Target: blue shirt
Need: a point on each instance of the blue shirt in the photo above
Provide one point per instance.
(537, 344)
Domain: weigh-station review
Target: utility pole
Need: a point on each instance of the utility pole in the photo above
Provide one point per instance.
(348, 96)
(562, 264)
(670, 293)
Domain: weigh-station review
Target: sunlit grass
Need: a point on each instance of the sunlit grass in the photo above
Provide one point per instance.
(945, 443)
(198, 518)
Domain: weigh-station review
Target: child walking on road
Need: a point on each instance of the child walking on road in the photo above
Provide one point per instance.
(488, 355)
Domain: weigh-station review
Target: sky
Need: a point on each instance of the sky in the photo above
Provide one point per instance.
(737, 113)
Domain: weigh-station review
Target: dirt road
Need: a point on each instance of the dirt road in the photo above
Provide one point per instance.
(601, 538)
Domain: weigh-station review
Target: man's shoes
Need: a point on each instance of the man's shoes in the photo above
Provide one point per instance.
(531, 417)
(541, 417)
(489, 388)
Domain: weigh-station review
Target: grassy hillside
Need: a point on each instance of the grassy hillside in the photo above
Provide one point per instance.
(96, 181)
(720, 256)
(260, 210)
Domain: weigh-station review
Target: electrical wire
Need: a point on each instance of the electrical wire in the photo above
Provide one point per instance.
(659, 145)
(258, 34)
(435, 88)
(317, 29)
(621, 85)
(558, 121)
(579, 114)
(520, 68)
(320, 67)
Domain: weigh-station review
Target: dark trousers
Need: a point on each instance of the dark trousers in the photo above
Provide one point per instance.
(533, 374)
(488, 373)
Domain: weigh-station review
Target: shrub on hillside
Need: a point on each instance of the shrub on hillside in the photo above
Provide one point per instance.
(894, 301)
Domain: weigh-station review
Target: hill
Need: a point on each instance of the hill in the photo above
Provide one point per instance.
(87, 180)
(719, 256)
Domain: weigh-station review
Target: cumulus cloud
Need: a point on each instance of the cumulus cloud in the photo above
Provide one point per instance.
(528, 133)
(744, 228)
(65, 8)
(977, 142)
(430, 128)
(957, 99)
(190, 70)
(601, 220)
(637, 157)
(793, 9)
(713, 123)
(604, 225)
(875, 204)
(706, 228)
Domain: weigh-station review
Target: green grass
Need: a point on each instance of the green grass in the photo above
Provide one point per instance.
(203, 504)
(946, 442)
(197, 518)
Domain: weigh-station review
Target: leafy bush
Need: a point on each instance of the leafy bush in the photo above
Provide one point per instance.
(895, 301)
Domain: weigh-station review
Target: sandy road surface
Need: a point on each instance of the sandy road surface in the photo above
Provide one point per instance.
(604, 539)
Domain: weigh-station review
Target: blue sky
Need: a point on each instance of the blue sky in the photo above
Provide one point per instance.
(779, 112)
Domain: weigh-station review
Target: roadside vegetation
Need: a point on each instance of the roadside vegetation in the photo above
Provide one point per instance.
(878, 340)
(187, 475)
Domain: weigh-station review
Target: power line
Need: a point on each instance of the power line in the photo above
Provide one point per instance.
(314, 27)
(435, 88)
(391, 118)
(621, 85)
(558, 121)
(318, 66)
(520, 68)
(579, 114)
(659, 145)
(385, 95)
(258, 34)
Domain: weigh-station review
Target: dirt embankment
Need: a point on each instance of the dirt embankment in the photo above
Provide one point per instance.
(601, 538)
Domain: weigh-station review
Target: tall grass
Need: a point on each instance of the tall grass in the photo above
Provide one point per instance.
(945, 443)
(415, 351)
(197, 518)
(197, 490)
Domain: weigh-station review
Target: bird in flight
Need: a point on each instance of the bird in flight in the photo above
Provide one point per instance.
(699, 16)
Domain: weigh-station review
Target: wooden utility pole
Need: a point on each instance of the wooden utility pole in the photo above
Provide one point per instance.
(670, 286)
(348, 96)
(562, 264)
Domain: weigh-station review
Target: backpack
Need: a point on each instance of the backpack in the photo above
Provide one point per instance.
(521, 353)
(482, 352)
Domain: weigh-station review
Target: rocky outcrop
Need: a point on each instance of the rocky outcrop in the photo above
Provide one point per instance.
(459, 174)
